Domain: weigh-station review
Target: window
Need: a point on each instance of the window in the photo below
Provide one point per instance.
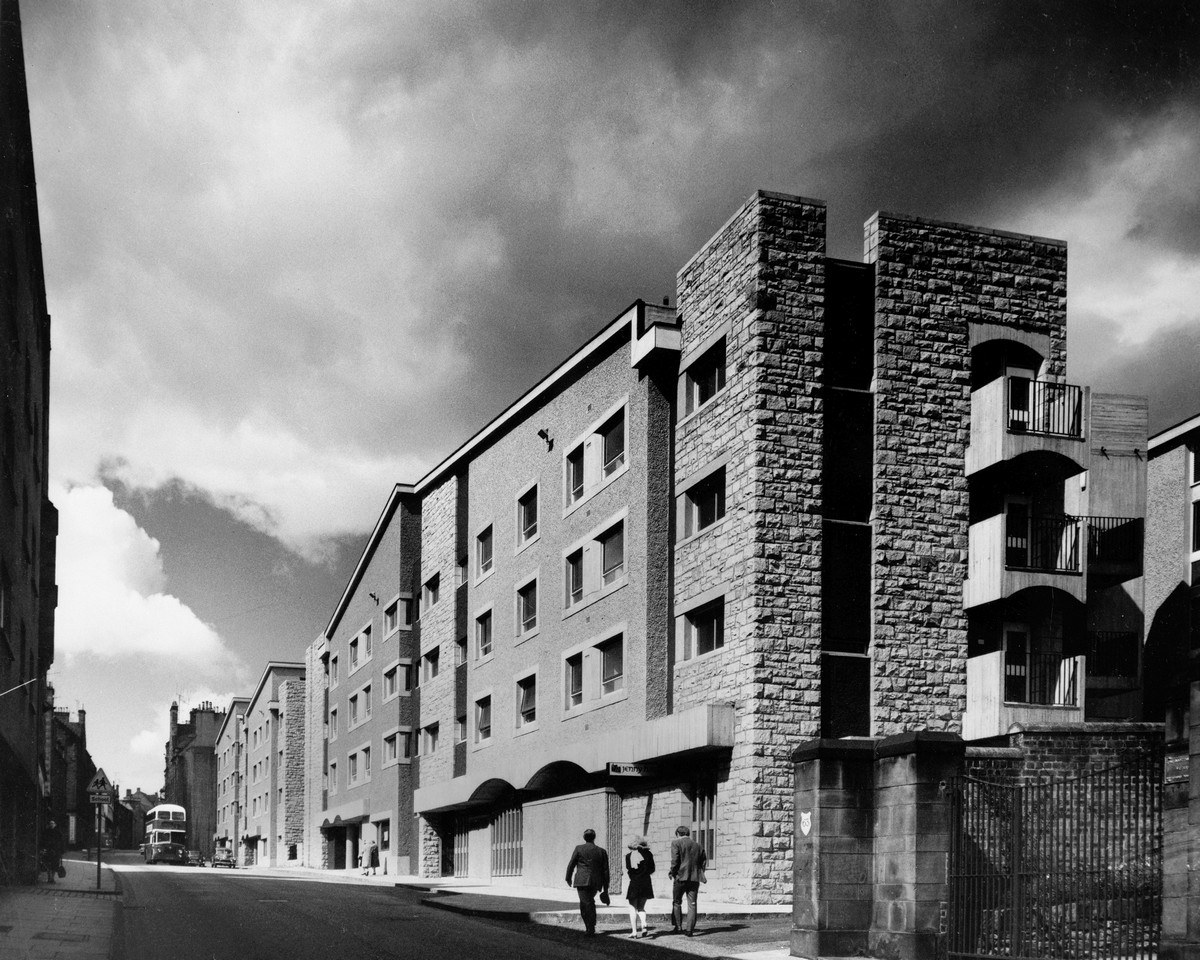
(391, 685)
(704, 818)
(333, 778)
(574, 578)
(527, 515)
(390, 618)
(333, 670)
(460, 728)
(429, 739)
(574, 680)
(704, 629)
(612, 665)
(575, 475)
(613, 437)
(483, 719)
(1195, 525)
(352, 762)
(354, 710)
(483, 635)
(333, 724)
(396, 747)
(366, 761)
(613, 543)
(366, 695)
(384, 830)
(527, 608)
(483, 553)
(354, 654)
(430, 663)
(460, 572)
(460, 651)
(704, 503)
(526, 701)
(704, 377)
(432, 590)
(366, 642)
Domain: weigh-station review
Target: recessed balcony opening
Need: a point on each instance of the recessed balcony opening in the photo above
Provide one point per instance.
(994, 359)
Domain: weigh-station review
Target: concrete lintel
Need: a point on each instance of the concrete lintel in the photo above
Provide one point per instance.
(920, 741)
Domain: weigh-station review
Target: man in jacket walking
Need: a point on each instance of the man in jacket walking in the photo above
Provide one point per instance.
(688, 860)
(587, 872)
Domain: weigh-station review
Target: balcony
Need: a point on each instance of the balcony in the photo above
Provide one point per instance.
(1028, 688)
(1114, 547)
(1113, 659)
(1014, 415)
(1006, 557)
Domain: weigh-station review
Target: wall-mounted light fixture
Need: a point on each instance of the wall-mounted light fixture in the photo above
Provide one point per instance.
(545, 435)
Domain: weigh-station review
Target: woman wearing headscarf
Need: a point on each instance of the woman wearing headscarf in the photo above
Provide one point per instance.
(639, 864)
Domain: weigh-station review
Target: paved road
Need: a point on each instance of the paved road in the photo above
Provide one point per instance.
(170, 913)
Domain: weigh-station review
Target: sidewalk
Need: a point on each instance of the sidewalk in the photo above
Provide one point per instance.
(68, 918)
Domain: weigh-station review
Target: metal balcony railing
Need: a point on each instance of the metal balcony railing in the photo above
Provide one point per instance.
(1043, 407)
(1114, 539)
(1045, 544)
(1113, 653)
(1044, 679)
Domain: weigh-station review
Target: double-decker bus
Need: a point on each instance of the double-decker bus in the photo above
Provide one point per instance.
(166, 834)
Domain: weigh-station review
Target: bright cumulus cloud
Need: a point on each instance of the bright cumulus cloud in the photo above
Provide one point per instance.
(112, 600)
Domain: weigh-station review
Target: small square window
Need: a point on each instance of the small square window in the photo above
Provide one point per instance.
(391, 748)
(432, 590)
(613, 436)
(526, 701)
(483, 553)
(460, 651)
(527, 608)
(430, 664)
(612, 665)
(527, 515)
(390, 618)
(575, 475)
(391, 682)
(613, 544)
(704, 629)
(483, 719)
(460, 728)
(574, 680)
(705, 376)
(429, 739)
(705, 503)
(483, 635)
(574, 578)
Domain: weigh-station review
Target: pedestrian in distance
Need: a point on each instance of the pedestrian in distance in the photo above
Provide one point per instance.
(688, 860)
(639, 864)
(587, 872)
(52, 851)
(372, 858)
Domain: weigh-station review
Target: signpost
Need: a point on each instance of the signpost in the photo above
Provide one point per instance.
(100, 792)
(616, 769)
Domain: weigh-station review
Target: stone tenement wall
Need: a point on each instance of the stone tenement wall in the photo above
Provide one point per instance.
(292, 695)
(315, 854)
(761, 279)
(932, 280)
(438, 531)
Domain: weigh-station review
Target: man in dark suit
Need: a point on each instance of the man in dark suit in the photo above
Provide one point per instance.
(589, 864)
(688, 860)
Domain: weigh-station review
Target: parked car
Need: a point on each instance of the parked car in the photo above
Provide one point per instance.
(195, 859)
(224, 858)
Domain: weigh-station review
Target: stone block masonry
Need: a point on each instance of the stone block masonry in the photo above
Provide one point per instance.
(292, 695)
(933, 280)
(760, 280)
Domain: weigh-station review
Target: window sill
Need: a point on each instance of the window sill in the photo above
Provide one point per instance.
(526, 544)
(599, 595)
(701, 657)
(589, 705)
(481, 745)
(687, 418)
(486, 658)
(714, 526)
(531, 727)
(591, 492)
(361, 663)
(522, 637)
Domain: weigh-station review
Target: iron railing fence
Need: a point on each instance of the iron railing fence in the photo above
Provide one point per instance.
(508, 841)
(1046, 544)
(1113, 653)
(1041, 679)
(1061, 870)
(1114, 539)
(1043, 407)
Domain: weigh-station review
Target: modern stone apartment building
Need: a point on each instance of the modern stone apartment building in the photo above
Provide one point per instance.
(190, 772)
(229, 756)
(817, 498)
(28, 520)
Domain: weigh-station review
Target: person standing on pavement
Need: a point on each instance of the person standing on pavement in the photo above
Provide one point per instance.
(372, 858)
(639, 864)
(587, 872)
(688, 860)
(52, 850)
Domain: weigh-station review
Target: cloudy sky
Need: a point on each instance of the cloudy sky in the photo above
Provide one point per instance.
(297, 251)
